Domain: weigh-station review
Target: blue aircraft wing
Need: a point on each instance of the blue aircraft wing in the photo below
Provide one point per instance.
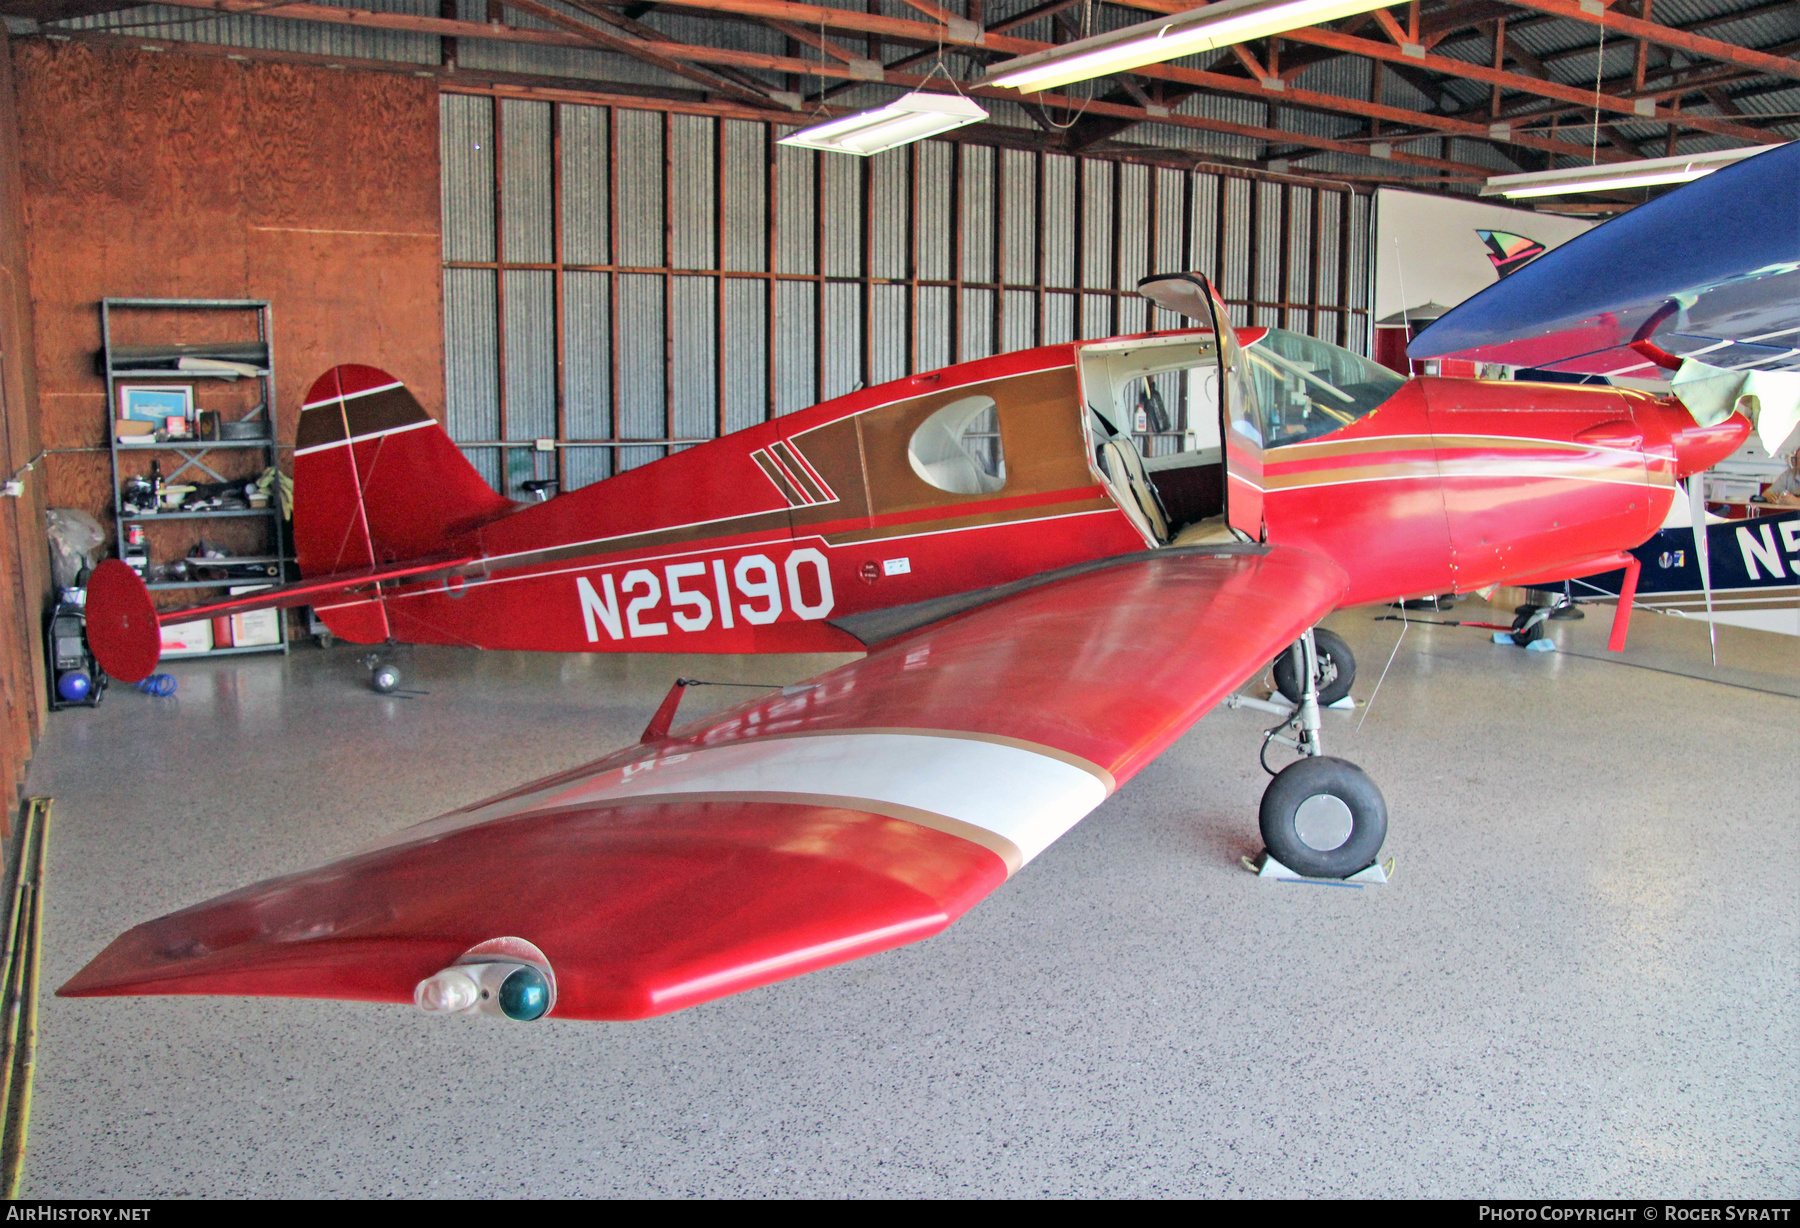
(1709, 271)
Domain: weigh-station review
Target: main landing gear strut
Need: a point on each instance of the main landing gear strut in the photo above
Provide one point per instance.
(1321, 817)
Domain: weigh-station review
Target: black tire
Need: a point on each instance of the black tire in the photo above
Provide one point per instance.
(325, 639)
(1524, 630)
(385, 679)
(1286, 831)
(1337, 669)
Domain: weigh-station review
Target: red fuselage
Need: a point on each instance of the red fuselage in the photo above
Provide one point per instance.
(762, 540)
(1457, 484)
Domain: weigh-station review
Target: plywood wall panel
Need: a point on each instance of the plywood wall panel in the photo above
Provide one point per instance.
(24, 559)
(75, 419)
(351, 298)
(171, 176)
(132, 174)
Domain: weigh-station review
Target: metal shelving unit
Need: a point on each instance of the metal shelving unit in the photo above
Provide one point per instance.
(193, 452)
(213, 514)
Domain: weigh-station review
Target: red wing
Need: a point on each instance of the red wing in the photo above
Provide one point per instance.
(790, 833)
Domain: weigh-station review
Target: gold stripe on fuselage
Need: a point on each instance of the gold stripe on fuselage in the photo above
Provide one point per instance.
(1347, 447)
(1426, 468)
(1625, 472)
(1520, 457)
(1419, 442)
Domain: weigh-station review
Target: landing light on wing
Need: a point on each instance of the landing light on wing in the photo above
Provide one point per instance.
(517, 991)
(503, 976)
(450, 992)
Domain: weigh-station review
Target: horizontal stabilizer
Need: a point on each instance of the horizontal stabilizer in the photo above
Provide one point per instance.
(124, 627)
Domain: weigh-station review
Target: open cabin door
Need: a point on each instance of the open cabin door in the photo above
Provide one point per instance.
(1240, 425)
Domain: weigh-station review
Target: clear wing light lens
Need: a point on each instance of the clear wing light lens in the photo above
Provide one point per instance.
(448, 992)
(510, 988)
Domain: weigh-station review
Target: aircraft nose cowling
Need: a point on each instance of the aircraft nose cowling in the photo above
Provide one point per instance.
(1698, 448)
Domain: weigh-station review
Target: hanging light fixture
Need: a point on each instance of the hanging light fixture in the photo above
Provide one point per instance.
(1604, 177)
(911, 117)
(1167, 38)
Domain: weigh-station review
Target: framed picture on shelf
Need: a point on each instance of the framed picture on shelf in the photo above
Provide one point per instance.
(156, 402)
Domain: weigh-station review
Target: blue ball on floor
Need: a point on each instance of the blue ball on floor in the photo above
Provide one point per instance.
(74, 686)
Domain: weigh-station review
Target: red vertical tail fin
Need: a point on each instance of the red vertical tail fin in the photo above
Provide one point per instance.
(376, 482)
(376, 479)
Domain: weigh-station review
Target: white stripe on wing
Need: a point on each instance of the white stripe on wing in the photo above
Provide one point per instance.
(1024, 797)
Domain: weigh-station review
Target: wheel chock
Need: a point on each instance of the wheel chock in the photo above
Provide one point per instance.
(1265, 866)
(1545, 645)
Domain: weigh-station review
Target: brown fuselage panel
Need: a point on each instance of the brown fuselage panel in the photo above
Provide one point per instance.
(1040, 434)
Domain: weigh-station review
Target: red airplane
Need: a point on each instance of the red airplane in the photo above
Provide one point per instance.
(1044, 609)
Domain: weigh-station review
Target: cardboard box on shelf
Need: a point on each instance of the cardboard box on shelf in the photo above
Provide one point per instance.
(187, 639)
(258, 628)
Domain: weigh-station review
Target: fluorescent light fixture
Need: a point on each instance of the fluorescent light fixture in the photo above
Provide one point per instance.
(911, 117)
(1617, 174)
(1167, 38)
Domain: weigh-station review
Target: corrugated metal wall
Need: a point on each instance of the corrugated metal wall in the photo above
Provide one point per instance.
(623, 282)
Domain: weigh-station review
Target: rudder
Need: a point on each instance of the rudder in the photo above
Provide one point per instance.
(376, 478)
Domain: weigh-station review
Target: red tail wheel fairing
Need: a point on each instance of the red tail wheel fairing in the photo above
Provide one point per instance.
(788, 834)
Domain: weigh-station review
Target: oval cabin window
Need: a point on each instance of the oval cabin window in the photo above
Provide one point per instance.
(958, 448)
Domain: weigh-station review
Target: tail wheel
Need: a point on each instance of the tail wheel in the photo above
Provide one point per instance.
(1323, 818)
(1337, 669)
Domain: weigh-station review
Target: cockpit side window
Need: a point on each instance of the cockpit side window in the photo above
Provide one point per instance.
(957, 449)
(1306, 388)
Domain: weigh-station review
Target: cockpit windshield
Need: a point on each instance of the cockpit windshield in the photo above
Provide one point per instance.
(1306, 388)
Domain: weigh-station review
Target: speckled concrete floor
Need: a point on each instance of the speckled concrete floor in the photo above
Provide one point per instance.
(1582, 982)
